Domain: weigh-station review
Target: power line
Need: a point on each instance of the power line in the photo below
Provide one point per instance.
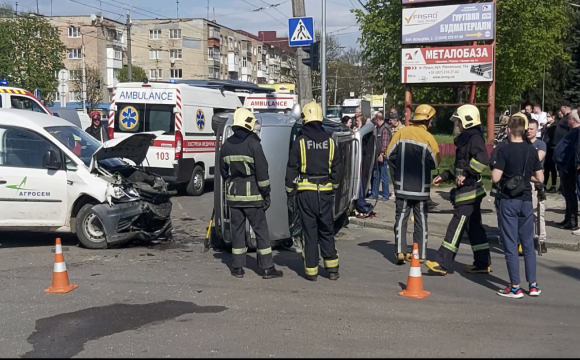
(265, 12)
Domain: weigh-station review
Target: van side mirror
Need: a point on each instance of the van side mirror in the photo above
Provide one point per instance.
(52, 161)
(296, 112)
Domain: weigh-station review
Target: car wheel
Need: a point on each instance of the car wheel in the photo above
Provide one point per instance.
(195, 185)
(89, 229)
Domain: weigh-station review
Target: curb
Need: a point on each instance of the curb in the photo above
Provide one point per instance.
(493, 239)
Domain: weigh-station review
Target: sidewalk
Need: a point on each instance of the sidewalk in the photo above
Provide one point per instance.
(440, 216)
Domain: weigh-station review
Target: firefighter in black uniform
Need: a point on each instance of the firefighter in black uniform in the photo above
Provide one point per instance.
(244, 169)
(313, 168)
(471, 159)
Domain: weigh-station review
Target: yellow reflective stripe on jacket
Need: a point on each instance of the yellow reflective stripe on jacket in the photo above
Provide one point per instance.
(328, 264)
(302, 156)
(239, 251)
(330, 155)
(264, 183)
(470, 195)
(335, 186)
(311, 271)
(476, 165)
(480, 247)
(288, 190)
(244, 158)
(458, 229)
(305, 185)
(244, 198)
(265, 251)
(448, 246)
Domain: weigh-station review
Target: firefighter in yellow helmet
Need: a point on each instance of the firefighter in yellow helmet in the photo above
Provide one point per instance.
(312, 174)
(244, 168)
(412, 154)
(471, 159)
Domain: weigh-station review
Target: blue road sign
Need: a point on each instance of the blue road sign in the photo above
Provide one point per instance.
(301, 30)
(37, 93)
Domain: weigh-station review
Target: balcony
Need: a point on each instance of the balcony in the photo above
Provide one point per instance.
(246, 71)
(262, 74)
(213, 33)
(233, 63)
(284, 65)
(273, 61)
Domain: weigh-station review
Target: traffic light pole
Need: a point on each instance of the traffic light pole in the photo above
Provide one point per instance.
(323, 60)
(303, 71)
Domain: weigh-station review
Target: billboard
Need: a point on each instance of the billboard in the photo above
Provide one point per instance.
(447, 64)
(467, 22)
(419, 1)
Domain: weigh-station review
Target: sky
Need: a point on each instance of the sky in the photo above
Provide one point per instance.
(235, 14)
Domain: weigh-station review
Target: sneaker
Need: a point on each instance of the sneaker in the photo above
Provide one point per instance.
(535, 290)
(472, 269)
(400, 259)
(512, 292)
(552, 190)
(576, 232)
(435, 267)
(382, 198)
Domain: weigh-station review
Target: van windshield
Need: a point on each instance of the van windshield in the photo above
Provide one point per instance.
(81, 144)
(137, 118)
(349, 109)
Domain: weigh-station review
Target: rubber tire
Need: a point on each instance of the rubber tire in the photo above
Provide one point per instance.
(217, 242)
(190, 189)
(251, 243)
(81, 235)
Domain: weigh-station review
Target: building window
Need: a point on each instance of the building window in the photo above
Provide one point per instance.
(74, 32)
(74, 53)
(210, 53)
(216, 53)
(155, 54)
(74, 96)
(176, 73)
(56, 96)
(175, 54)
(153, 74)
(154, 34)
(175, 33)
(118, 54)
(211, 73)
(214, 33)
(160, 73)
(75, 74)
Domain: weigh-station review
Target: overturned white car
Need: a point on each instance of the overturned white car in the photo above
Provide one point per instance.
(54, 177)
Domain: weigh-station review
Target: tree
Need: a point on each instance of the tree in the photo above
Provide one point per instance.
(137, 74)
(6, 10)
(94, 86)
(31, 53)
(528, 34)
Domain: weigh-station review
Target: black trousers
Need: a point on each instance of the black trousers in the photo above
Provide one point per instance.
(550, 168)
(403, 211)
(467, 216)
(257, 219)
(317, 229)
(568, 180)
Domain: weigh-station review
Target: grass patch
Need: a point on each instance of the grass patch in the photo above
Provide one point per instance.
(444, 138)
(447, 161)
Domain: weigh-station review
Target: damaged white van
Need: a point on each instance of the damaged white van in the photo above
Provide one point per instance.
(54, 177)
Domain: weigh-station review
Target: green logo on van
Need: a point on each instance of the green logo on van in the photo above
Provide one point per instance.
(19, 187)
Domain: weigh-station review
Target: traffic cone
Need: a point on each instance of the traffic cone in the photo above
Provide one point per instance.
(60, 283)
(414, 287)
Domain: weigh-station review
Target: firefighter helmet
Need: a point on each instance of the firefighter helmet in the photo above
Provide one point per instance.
(424, 113)
(468, 115)
(244, 118)
(522, 116)
(311, 112)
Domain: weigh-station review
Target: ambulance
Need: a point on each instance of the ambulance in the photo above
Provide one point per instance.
(15, 98)
(184, 155)
(270, 103)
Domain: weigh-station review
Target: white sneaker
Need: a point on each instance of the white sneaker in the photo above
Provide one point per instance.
(576, 232)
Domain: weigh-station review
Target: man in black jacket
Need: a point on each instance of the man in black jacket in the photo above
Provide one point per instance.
(561, 130)
(569, 172)
(312, 172)
(244, 168)
(96, 130)
(471, 159)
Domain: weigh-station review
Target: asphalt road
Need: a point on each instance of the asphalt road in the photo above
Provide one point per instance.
(174, 301)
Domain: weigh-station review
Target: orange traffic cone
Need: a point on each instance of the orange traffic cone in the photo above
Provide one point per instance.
(414, 287)
(60, 283)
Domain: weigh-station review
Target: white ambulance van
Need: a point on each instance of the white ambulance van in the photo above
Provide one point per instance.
(185, 153)
(15, 98)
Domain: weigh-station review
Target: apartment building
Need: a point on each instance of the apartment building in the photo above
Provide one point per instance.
(282, 58)
(104, 44)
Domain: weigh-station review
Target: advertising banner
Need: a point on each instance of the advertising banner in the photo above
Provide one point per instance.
(419, 1)
(447, 64)
(448, 23)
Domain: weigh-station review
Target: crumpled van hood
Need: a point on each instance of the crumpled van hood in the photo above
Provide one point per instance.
(133, 148)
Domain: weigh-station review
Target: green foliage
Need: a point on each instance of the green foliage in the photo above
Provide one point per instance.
(137, 74)
(529, 34)
(94, 94)
(31, 53)
(6, 10)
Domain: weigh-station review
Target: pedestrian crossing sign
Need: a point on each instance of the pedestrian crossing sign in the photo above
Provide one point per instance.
(301, 30)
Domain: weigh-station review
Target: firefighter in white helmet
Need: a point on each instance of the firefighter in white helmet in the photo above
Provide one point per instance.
(312, 174)
(244, 168)
(471, 159)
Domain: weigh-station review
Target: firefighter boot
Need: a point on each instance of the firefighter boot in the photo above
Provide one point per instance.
(238, 272)
(472, 269)
(400, 258)
(435, 267)
(333, 273)
(408, 257)
(312, 277)
(272, 273)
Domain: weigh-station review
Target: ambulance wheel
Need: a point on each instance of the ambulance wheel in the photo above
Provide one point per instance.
(89, 229)
(195, 185)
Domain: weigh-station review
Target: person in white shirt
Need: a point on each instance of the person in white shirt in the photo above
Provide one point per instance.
(541, 117)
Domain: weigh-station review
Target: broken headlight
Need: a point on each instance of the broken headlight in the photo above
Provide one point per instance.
(121, 192)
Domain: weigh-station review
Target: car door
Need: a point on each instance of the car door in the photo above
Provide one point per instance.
(343, 197)
(30, 194)
(25, 102)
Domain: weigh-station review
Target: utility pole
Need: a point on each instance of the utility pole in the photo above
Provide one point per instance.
(84, 87)
(129, 58)
(335, 85)
(304, 78)
(323, 59)
(177, 2)
(37, 12)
